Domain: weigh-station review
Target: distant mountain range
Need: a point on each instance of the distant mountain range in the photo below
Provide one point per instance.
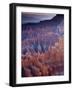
(53, 22)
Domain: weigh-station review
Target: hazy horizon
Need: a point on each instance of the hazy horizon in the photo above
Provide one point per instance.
(29, 18)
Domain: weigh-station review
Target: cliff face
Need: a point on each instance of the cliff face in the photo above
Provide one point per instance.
(43, 47)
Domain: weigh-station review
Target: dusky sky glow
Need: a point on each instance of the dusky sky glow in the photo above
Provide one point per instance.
(36, 17)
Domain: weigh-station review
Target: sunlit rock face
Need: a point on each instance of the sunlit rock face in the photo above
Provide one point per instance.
(42, 47)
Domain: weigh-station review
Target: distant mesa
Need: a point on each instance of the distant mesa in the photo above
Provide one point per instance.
(54, 21)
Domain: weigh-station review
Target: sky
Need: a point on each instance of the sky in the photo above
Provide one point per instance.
(35, 17)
